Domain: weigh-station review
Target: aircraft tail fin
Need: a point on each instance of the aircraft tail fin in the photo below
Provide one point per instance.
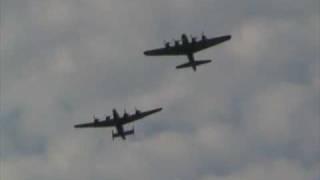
(193, 64)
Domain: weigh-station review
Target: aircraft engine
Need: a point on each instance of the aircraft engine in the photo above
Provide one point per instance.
(137, 111)
(193, 40)
(95, 120)
(166, 44)
(204, 37)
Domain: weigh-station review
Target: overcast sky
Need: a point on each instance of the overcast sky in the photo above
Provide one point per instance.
(253, 114)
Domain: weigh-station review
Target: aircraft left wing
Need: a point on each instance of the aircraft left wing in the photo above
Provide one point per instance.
(204, 44)
(171, 50)
(99, 124)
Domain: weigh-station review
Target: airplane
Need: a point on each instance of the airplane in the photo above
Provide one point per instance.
(118, 122)
(188, 48)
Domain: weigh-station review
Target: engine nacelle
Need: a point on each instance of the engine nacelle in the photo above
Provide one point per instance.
(176, 43)
(193, 40)
(138, 112)
(204, 37)
(167, 45)
(95, 120)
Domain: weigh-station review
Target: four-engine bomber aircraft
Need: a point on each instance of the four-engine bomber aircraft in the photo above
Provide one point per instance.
(118, 122)
(188, 48)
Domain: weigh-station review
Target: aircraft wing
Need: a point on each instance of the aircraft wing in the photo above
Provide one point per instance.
(201, 45)
(99, 124)
(141, 115)
(172, 50)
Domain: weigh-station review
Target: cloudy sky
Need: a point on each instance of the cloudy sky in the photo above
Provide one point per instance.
(253, 114)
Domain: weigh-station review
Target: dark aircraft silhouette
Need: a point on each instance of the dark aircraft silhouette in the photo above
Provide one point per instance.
(118, 122)
(188, 48)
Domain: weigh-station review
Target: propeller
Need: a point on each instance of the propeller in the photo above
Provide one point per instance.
(112, 135)
(137, 110)
(95, 119)
(193, 38)
(176, 42)
(203, 36)
(125, 114)
(166, 43)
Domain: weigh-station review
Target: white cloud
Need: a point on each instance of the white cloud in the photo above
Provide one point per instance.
(277, 170)
(67, 60)
(269, 113)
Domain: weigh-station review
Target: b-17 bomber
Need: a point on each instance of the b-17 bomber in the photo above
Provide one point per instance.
(118, 122)
(188, 47)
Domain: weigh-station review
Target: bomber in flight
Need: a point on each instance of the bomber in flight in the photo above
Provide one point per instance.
(118, 122)
(188, 48)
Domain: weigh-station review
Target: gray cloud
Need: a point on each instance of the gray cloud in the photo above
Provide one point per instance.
(253, 114)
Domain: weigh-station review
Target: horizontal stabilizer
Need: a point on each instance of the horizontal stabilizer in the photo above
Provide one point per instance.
(193, 64)
(126, 133)
(200, 62)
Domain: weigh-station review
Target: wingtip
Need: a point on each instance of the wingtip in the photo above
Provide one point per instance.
(77, 126)
(145, 53)
(158, 109)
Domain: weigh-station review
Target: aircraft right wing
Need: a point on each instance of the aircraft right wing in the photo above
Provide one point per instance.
(171, 50)
(201, 45)
(141, 115)
(99, 124)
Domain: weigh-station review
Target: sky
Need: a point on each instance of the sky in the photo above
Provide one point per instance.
(252, 114)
